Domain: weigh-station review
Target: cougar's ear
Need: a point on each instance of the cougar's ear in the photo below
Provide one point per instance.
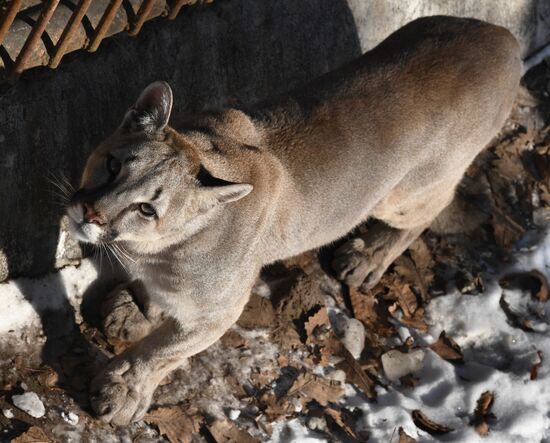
(214, 191)
(240, 126)
(228, 193)
(151, 111)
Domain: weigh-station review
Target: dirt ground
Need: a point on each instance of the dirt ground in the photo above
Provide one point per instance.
(291, 353)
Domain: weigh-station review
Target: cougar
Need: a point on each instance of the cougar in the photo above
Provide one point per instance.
(199, 205)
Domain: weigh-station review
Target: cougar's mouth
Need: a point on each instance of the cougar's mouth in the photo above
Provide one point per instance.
(85, 231)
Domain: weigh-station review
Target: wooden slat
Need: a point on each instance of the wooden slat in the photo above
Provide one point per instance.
(142, 16)
(8, 18)
(69, 32)
(104, 24)
(33, 39)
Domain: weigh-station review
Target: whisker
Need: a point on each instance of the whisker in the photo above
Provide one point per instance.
(123, 252)
(108, 255)
(100, 255)
(111, 247)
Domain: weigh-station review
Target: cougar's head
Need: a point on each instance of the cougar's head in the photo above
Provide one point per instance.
(145, 183)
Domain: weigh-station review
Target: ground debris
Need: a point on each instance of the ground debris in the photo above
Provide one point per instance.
(356, 375)
(515, 318)
(533, 281)
(33, 435)
(447, 349)
(258, 313)
(404, 437)
(398, 364)
(535, 368)
(30, 403)
(344, 420)
(177, 423)
(224, 431)
(309, 387)
(430, 426)
(483, 413)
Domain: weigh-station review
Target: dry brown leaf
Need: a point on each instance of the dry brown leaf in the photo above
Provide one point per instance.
(506, 231)
(309, 387)
(258, 313)
(404, 437)
(177, 423)
(535, 368)
(286, 336)
(430, 426)
(417, 269)
(276, 408)
(533, 281)
(303, 295)
(483, 412)
(541, 160)
(368, 309)
(422, 258)
(317, 326)
(513, 317)
(342, 420)
(416, 322)
(356, 375)
(509, 166)
(33, 435)
(263, 376)
(233, 339)
(407, 300)
(330, 347)
(447, 349)
(225, 431)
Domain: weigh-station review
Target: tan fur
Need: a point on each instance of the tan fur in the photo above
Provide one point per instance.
(388, 136)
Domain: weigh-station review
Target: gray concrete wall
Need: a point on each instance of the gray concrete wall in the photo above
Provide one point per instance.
(235, 51)
(529, 20)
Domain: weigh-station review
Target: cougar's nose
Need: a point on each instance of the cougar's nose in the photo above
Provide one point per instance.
(91, 216)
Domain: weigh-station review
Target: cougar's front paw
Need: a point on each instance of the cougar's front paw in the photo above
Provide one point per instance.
(121, 317)
(122, 393)
(358, 264)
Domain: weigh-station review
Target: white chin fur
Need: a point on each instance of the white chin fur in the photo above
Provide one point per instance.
(84, 232)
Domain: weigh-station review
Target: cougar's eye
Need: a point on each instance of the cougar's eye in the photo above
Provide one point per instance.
(147, 210)
(113, 165)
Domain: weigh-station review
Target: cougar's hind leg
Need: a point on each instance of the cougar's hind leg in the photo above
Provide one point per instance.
(361, 261)
(400, 219)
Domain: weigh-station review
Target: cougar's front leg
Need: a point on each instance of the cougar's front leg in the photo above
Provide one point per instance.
(128, 315)
(361, 261)
(122, 393)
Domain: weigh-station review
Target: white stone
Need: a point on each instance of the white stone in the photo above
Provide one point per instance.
(8, 413)
(70, 417)
(296, 403)
(234, 414)
(317, 424)
(30, 403)
(354, 337)
(337, 375)
(397, 364)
